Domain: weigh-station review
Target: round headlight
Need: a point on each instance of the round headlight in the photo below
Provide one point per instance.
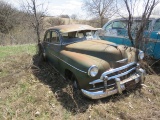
(93, 71)
(141, 55)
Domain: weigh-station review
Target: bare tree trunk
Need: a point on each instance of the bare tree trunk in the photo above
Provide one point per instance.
(100, 8)
(101, 21)
(37, 28)
(149, 6)
(35, 20)
(130, 22)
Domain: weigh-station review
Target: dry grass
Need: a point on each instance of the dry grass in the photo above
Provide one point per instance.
(29, 91)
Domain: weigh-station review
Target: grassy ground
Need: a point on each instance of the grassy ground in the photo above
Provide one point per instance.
(29, 91)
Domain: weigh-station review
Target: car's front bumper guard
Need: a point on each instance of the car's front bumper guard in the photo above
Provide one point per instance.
(139, 77)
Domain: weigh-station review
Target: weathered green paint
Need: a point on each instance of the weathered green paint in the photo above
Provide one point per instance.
(78, 57)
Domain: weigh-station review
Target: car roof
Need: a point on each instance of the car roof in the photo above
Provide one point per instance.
(72, 28)
(136, 17)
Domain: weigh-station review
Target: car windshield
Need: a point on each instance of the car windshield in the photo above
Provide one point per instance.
(77, 36)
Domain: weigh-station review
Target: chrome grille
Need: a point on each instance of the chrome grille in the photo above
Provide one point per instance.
(122, 72)
(127, 67)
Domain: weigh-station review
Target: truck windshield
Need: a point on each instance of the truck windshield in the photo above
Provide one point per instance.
(137, 23)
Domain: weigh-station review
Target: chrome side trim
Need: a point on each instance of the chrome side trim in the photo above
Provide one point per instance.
(122, 61)
(116, 70)
(69, 64)
(122, 74)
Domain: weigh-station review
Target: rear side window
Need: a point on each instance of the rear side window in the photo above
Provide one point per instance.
(54, 37)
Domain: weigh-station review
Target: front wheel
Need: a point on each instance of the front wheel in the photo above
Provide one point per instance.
(75, 82)
(70, 76)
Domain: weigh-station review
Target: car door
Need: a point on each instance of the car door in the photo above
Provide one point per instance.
(155, 36)
(46, 43)
(54, 48)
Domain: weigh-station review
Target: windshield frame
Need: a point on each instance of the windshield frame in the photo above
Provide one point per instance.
(93, 34)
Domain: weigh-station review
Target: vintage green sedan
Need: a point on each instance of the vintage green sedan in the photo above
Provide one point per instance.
(98, 68)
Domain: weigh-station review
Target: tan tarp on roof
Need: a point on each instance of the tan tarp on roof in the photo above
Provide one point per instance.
(73, 27)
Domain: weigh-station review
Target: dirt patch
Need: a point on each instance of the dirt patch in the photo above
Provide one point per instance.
(30, 91)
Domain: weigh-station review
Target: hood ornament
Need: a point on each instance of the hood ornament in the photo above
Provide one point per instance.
(122, 61)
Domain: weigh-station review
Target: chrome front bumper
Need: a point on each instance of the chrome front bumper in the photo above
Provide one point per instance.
(120, 85)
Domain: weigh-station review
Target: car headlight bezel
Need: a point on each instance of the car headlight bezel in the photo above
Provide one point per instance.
(141, 55)
(93, 71)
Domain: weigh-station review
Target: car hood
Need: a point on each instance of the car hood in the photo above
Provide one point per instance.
(100, 51)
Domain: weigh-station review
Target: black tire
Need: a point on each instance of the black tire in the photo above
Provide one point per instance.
(70, 76)
(75, 82)
(44, 57)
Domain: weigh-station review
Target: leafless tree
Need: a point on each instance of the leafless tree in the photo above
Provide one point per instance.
(74, 17)
(100, 8)
(64, 16)
(136, 34)
(138, 40)
(35, 16)
(55, 21)
(8, 21)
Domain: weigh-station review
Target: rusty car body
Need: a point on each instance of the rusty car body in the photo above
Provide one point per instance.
(99, 68)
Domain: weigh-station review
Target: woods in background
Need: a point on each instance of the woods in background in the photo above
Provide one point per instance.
(27, 25)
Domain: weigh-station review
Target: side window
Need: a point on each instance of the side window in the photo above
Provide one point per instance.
(157, 25)
(109, 26)
(47, 37)
(119, 25)
(54, 37)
